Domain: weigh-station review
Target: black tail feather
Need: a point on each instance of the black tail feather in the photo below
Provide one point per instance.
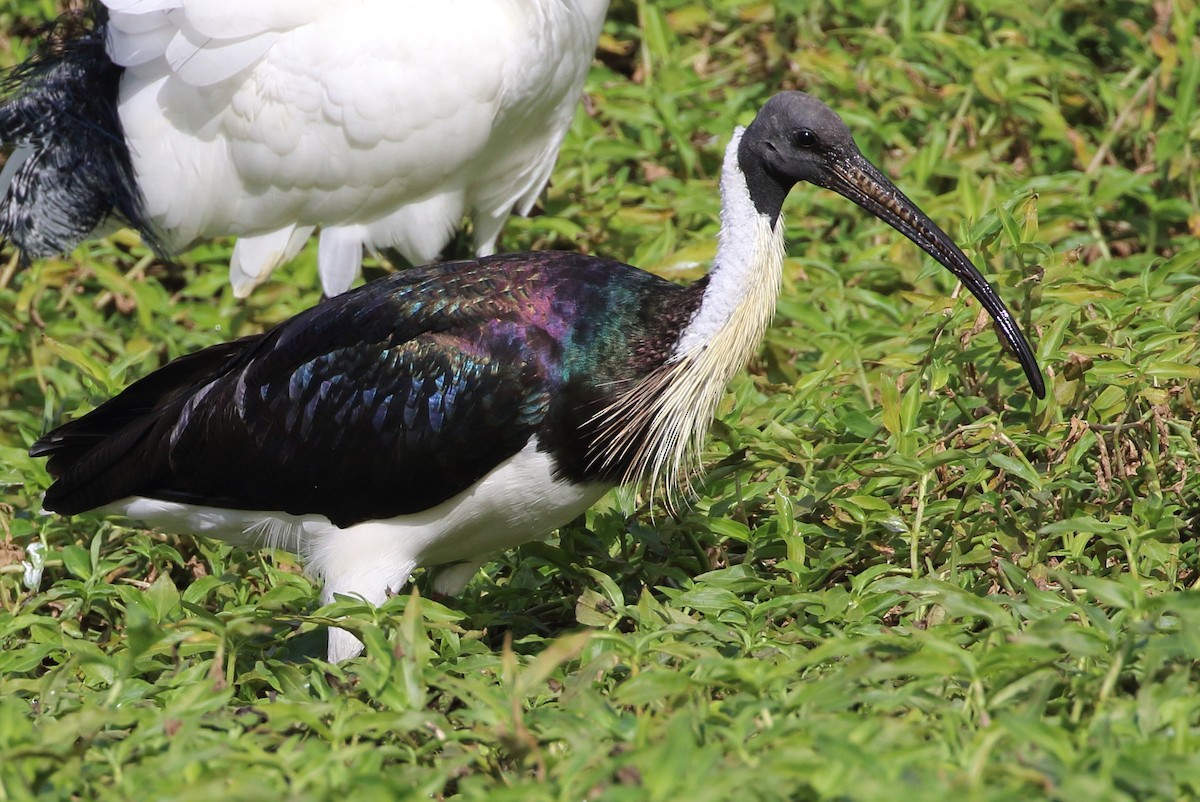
(99, 457)
(70, 169)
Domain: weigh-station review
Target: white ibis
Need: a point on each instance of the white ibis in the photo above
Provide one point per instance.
(441, 414)
(383, 122)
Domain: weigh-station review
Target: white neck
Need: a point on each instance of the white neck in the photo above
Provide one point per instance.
(662, 420)
(744, 282)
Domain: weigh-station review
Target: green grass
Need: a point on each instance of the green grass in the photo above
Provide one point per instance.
(902, 578)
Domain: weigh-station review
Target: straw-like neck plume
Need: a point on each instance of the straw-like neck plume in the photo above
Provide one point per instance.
(663, 419)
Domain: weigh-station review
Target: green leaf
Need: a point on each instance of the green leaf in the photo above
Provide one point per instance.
(1016, 467)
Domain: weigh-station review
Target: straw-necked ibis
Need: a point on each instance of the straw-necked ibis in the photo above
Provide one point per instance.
(441, 414)
(382, 122)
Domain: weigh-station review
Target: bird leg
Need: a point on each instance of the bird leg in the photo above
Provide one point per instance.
(361, 562)
(451, 579)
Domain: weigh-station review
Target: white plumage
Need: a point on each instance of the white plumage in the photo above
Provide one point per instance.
(381, 122)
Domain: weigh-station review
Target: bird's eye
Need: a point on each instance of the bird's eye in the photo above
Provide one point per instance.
(804, 138)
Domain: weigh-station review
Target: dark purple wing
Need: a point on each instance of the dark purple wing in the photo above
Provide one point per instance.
(377, 403)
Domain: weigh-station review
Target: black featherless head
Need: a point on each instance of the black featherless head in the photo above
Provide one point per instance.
(796, 137)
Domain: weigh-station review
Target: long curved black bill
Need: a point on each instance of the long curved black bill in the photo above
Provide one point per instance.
(862, 182)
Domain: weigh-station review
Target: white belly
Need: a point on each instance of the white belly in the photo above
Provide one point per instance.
(517, 502)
